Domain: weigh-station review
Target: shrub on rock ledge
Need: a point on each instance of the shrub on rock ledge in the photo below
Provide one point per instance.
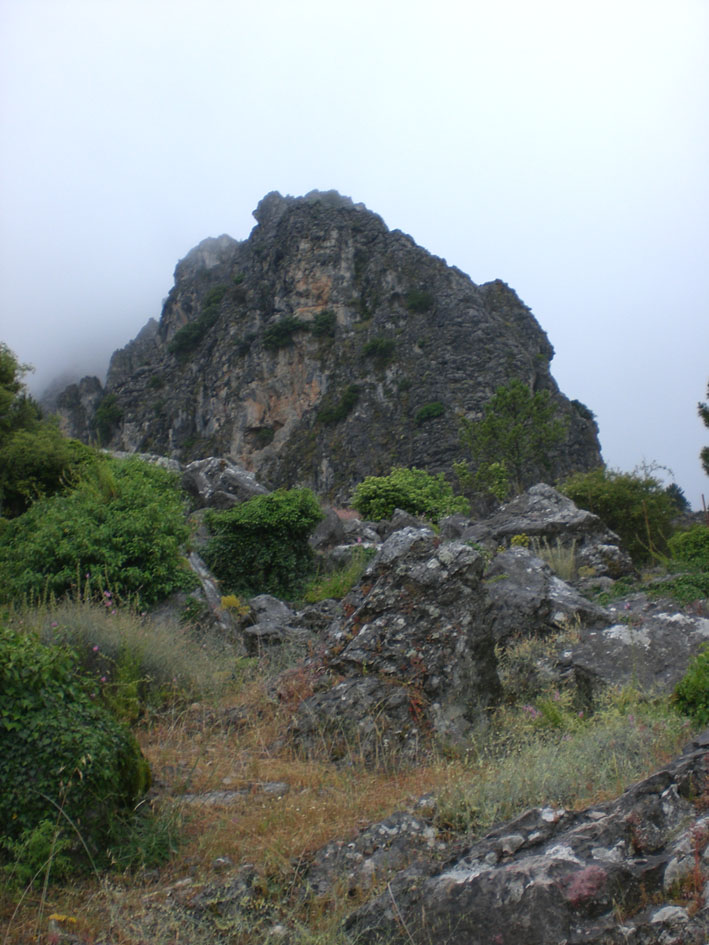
(412, 490)
(261, 546)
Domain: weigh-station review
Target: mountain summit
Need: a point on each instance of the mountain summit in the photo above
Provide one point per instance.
(322, 349)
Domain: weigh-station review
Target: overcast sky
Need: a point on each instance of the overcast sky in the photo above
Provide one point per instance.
(560, 145)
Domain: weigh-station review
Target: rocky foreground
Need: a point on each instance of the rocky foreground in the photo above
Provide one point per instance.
(410, 659)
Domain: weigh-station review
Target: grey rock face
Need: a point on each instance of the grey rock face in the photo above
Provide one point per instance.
(306, 353)
(415, 651)
(557, 877)
(218, 483)
(527, 598)
(648, 644)
(542, 512)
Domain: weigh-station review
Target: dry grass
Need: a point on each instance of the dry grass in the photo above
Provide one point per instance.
(237, 743)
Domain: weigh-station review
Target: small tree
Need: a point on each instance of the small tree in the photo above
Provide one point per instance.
(634, 505)
(510, 444)
(704, 414)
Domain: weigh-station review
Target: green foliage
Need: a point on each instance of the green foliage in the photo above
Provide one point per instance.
(691, 695)
(280, 333)
(261, 546)
(62, 756)
(489, 479)
(18, 411)
(691, 547)
(412, 490)
(429, 412)
(156, 382)
(419, 301)
(634, 505)
(106, 418)
(123, 525)
(36, 459)
(187, 338)
(341, 581)
(515, 435)
(39, 462)
(324, 324)
(380, 349)
(333, 413)
(703, 410)
(679, 499)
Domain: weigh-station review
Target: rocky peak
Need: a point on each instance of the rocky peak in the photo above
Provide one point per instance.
(325, 348)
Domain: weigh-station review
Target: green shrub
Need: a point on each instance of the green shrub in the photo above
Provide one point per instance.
(63, 758)
(280, 333)
(106, 418)
(333, 413)
(261, 546)
(187, 338)
(121, 529)
(633, 505)
(691, 695)
(380, 349)
(429, 412)
(691, 547)
(412, 490)
(334, 586)
(419, 301)
(37, 463)
(324, 324)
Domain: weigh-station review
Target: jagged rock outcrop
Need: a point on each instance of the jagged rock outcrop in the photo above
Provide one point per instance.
(544, 514)
(322, 349)
(632, 870)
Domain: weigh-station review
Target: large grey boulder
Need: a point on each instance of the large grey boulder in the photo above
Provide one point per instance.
(413, 658)
(545, 514)
(608, 875)
(527, 598)
(648, 644)
(218, 483)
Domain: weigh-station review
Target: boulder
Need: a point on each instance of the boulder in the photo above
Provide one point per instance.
(412, 659)
(544, 514)
(218, 483)
(645, 643)
(526, 597)
(610, 875)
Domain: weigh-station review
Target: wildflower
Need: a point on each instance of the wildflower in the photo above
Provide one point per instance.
(103, 679)
(54, 624)
(106, 593)
(581, 714)
(95, 648)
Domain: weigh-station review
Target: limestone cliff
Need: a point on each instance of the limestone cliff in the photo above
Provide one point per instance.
(322, 349)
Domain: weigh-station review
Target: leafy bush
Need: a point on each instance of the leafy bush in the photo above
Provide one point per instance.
(324, 324)
(39, 462)
(412, 490)
(691, 547)
(633, 505)
(36, 459)
(333, 413)
(380, 349)
(429, 412)
(63, 757)
(280, 333)
(419, 301)
(691, 694)
(121, 529)
(261, 546)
